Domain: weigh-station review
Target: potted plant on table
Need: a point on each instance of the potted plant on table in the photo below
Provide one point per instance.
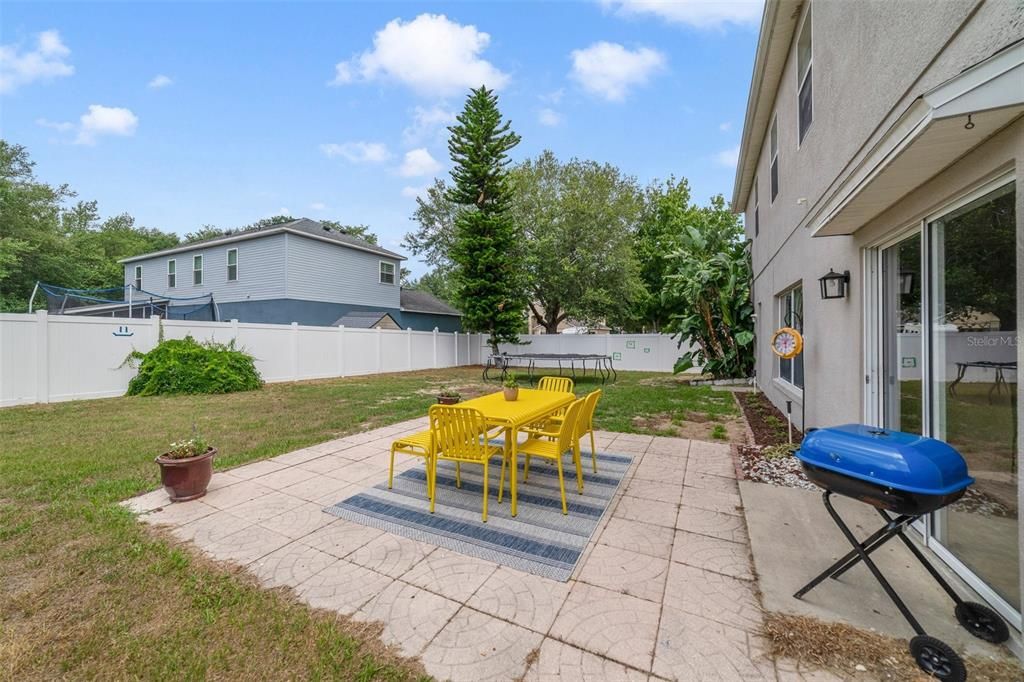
(448, 396)
(186, 469)
(511, 387)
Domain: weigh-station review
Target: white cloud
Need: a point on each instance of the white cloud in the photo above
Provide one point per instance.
(418, 162)
(609, 70)
(59, 126)
(357, 152)
(553, 97)
(318, 206)
(426, 123)
(431, 54)
(101, 120)
(702, 14)
(549, 117)
(727, 158)
(413, 192)
(160, 81)
(725, 126)
(47, 61)
(283, 211)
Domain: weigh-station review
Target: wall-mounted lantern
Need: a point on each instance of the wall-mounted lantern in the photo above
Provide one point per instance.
(907, 282)
(833, 285)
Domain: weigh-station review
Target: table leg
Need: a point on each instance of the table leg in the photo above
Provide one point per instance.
(513, 437)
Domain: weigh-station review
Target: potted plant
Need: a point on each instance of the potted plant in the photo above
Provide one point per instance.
(186, 469)
(511, 387)
(448, 396)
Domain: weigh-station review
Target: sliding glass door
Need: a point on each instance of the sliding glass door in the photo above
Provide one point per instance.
(971, 380)
(901, 335)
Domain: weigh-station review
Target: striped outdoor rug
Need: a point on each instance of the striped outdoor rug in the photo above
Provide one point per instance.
(539, 540)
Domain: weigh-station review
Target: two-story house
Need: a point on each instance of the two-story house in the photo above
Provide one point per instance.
(883, 143)
(299, 271)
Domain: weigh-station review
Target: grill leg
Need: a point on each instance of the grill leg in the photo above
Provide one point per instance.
(891, 528)
(859, 549)
(943, 583)
(851, 558)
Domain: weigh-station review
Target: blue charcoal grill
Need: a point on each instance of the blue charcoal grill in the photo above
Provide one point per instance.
(904, 476)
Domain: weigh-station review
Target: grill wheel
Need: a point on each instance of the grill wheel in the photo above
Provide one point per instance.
(937, 659)
(982, 622)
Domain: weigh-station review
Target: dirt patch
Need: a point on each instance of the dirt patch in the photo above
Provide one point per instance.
(695, 426)
(856, 654)
(766, 422)
(770, 459)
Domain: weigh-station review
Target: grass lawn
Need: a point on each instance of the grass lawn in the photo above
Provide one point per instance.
(87, 592)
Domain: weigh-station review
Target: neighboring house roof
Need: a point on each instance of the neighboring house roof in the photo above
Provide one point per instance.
(303, 227)
(778, 24)
(418, 301)
(366, 319)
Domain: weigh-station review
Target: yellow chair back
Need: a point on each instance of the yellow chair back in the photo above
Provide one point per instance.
(558, 384)
(586, 418)
(566, 436)
(459, 433)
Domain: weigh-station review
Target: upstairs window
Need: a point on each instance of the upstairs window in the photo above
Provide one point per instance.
(197, 270)
(232, 265)
(774, 156)
(805, 107)
(757, 221)
(138, 277)
(172, 275)
(387, 273)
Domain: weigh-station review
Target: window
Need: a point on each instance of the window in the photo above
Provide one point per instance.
(805, 110)
(197, 270)
(791, 314)
(775, 158)
(138, 277)
(387, 273)
(757, 221)
(232, 265)
(172, 276)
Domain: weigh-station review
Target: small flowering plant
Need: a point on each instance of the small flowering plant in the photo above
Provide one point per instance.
(511, 380)
(193, 447)
(448, 392)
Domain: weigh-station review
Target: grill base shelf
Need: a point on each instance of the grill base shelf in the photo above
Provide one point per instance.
(932, 655)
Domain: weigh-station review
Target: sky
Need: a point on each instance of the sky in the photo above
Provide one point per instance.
(185, 114)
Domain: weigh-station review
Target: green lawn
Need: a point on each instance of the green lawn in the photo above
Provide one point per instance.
(87, 592)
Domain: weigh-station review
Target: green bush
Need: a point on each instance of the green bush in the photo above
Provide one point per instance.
(188, 366)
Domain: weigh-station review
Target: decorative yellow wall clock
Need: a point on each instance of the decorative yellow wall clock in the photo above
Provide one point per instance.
(787, 343)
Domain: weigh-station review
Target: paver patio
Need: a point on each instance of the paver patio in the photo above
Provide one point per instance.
(664, 591)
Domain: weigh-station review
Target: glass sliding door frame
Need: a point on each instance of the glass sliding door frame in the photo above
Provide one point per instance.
(874, 375)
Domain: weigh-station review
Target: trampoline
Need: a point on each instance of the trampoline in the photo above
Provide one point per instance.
(601, 365)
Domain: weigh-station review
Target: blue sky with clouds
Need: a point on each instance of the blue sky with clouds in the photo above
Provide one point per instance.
(185, 114)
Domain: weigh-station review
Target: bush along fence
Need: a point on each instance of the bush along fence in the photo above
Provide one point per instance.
(51, 358)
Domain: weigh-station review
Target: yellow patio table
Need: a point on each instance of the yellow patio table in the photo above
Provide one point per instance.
(532, 405)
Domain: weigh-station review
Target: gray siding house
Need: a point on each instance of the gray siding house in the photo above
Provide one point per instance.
(884, 142)
(300, 271)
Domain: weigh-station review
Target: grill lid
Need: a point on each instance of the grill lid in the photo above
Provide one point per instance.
(904, 461)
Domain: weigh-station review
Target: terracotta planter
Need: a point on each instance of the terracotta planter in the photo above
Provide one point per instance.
(448, 400)
(186, 479)
(511, 394)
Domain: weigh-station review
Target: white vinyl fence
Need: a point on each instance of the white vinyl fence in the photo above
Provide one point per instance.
(51, 358)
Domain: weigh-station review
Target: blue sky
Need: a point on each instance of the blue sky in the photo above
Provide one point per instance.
(185, 114)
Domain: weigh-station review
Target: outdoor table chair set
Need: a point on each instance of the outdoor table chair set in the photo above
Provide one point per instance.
(552, 417)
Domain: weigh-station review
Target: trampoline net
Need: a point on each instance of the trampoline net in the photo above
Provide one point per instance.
(126, 301)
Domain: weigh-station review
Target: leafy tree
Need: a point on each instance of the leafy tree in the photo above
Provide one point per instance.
(435, 282)
(100, 247)
(203, 233)
(707, 294)
(578, 219)
(435, 235)
(488, 268)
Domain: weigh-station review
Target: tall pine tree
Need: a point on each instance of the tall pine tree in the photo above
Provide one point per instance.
(489, 283)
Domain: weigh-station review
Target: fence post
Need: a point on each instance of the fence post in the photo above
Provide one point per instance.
(380, 354)
(408, 339)
(42, 357)
(341, 350)
(234, 330)
(154, 331)
(435, 347)
(456, 349)
(295, 351)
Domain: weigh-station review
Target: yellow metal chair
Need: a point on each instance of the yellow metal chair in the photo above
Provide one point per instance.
(585, 423)
(540, 444)
(460, 435)
(559, 384)
(418, 445)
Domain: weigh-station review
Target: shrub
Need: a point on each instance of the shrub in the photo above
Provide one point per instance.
(188, 366)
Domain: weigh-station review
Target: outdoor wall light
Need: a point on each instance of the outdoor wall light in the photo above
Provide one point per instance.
(833, 285)
(907, 283)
